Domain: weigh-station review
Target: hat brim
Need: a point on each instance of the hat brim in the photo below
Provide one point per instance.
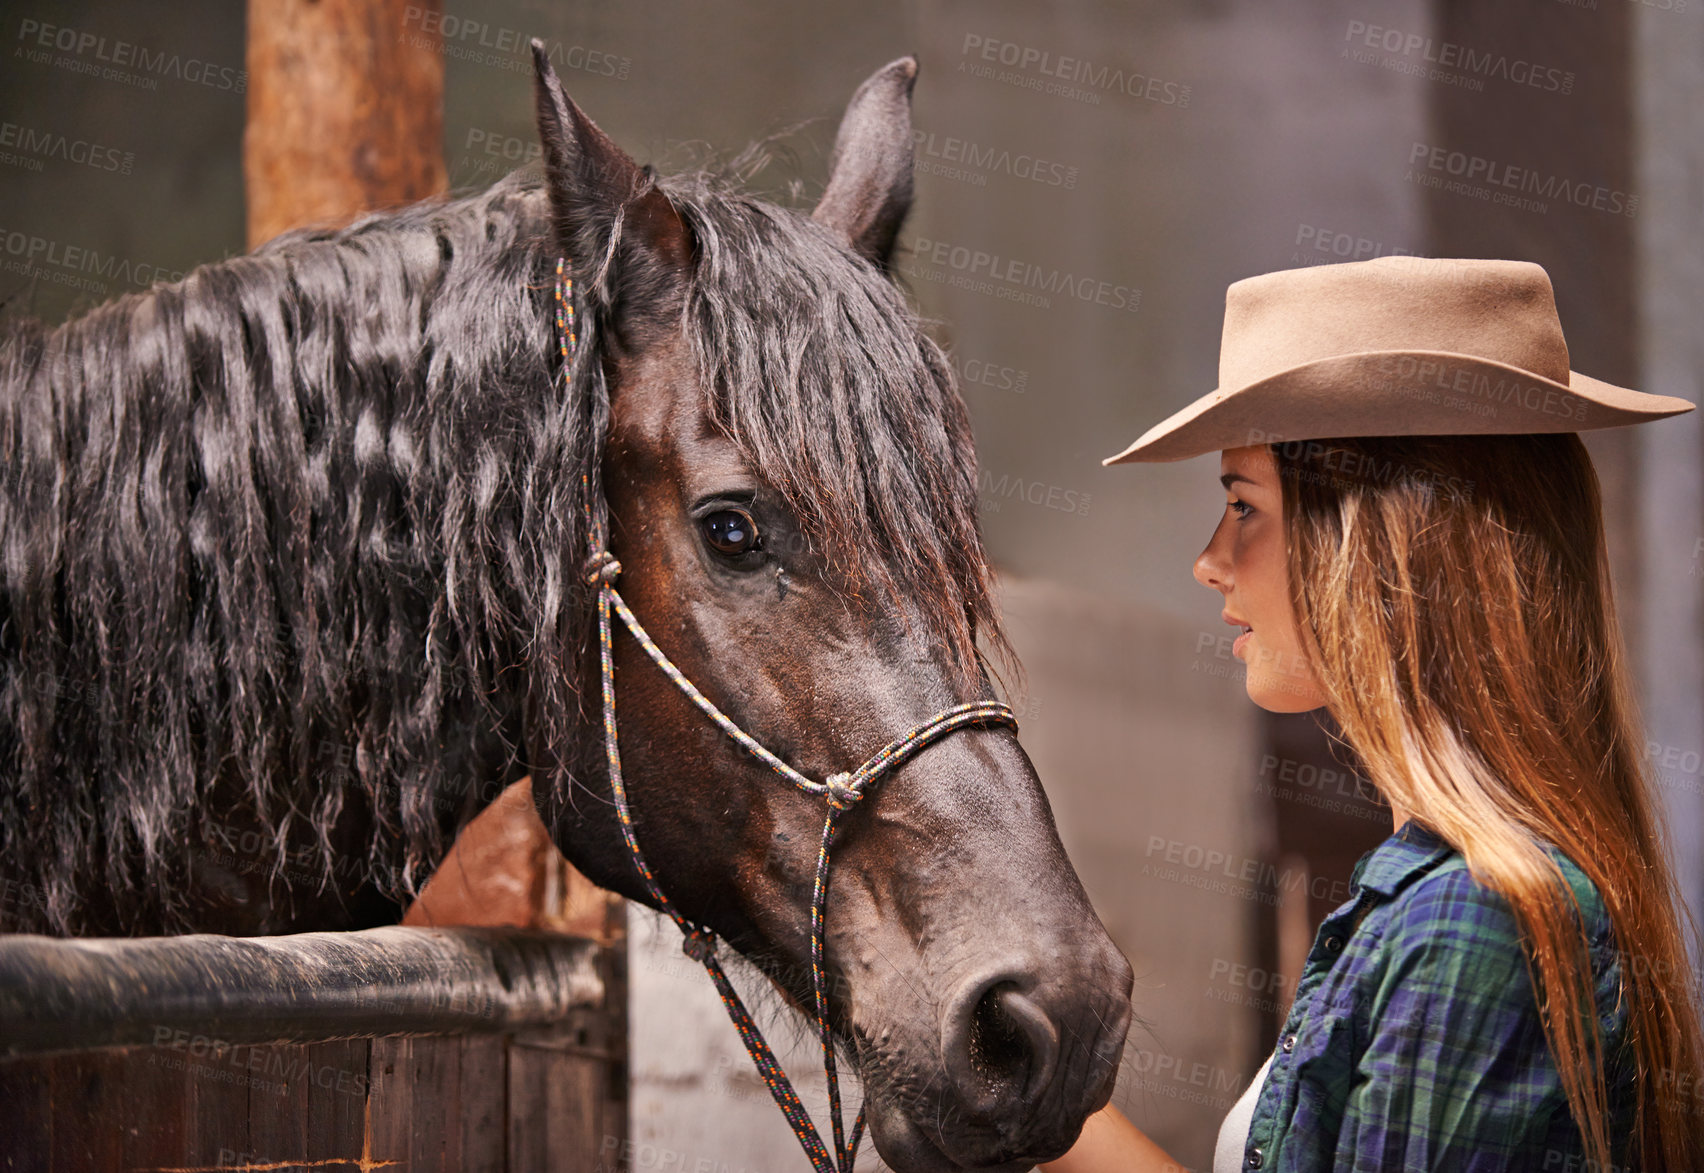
(1394, 393)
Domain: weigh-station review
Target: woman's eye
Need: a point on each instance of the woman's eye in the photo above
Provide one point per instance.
(730, 531)
(1241, 508)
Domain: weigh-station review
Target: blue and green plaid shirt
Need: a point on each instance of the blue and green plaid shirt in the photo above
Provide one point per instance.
(1414, 1041)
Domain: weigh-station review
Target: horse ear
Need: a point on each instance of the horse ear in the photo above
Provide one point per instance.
(869, 174)
(601, 198)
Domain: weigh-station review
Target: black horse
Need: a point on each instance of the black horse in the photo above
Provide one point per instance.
(293, 581)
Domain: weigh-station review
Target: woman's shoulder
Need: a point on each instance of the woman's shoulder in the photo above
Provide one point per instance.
(1451, 930)
(1424, 1037)
(1449, 892)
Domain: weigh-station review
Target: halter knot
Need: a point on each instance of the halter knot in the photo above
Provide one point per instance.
(842, 795)
(602, 567)
(700, 945)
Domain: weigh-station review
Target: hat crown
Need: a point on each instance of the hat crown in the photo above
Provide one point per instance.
(1503, 311)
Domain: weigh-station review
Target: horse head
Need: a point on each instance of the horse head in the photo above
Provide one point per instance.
(790, 487)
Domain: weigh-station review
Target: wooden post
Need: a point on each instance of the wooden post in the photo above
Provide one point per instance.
(345, 110)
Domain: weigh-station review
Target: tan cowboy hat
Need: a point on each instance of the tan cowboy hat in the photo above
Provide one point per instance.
(1398, 346)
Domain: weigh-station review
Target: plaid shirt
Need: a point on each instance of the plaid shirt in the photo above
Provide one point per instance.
(1414, 1041)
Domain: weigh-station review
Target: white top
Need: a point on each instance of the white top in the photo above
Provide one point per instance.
(1233, 1133)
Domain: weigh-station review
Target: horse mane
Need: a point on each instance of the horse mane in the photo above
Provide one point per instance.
(296, 543)
(873, 452)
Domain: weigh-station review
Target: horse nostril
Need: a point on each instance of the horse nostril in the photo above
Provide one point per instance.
(1003, 1047)
(1021, 1020)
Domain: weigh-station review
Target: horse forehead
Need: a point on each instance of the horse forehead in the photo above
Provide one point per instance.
(659, 409)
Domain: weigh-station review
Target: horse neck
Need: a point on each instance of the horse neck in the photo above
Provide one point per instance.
(290, 503)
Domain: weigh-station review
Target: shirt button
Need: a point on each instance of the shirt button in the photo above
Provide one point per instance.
(1253, 1160)
(1333, 944)
(1289, 1043)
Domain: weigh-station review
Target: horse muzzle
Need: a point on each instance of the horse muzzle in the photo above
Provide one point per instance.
(1022, 1062)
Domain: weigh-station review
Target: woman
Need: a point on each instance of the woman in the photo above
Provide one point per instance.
(1413, 541)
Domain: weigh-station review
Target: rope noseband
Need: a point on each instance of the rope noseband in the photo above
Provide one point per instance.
(841, 792)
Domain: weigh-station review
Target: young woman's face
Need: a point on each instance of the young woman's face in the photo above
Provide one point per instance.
(1245, 563)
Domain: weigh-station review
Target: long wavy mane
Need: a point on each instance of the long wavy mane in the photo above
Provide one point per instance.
(293, 546)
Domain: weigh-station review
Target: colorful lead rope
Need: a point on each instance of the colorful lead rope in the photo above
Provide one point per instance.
(567, 337)
(842, 792)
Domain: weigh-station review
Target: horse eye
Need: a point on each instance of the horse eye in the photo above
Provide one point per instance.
(730, 531)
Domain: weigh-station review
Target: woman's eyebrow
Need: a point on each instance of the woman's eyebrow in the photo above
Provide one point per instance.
(1230, 478)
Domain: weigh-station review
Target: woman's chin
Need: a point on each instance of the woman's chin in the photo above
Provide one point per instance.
(1283, 694)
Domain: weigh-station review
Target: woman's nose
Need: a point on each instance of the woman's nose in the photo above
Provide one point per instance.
(1205, 573)
(1210, 567)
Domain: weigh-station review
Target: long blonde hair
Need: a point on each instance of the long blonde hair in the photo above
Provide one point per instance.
(1454, 595)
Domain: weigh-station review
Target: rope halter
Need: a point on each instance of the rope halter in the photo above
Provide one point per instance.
(841, 792)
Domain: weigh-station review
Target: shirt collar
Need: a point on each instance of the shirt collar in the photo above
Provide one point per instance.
(1387, 868)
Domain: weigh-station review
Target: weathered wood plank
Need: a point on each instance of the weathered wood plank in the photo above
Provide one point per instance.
(437, 1095)
(390, 1099)
(526, 1140)
(574, 1132)
(278, 1115)
(214, 1096)
(26, 1104)
(484, 1104)
(88, 1114)
(337, 1113)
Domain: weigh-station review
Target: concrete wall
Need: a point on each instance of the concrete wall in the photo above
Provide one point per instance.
(1668, 93)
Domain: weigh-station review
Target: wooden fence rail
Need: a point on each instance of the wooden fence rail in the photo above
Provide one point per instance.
(396, 1048)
